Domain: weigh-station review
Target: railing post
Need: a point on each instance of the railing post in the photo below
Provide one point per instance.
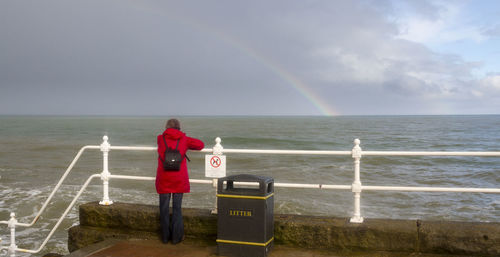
(216, 150)
(12, 226)
(105, 147)
(356, 185)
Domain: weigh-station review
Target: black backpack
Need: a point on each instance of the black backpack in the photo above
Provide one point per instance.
(172, 158)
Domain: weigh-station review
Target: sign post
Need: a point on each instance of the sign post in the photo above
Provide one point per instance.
(215, 167)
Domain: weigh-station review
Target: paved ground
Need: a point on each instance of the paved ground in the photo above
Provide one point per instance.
(154, 248)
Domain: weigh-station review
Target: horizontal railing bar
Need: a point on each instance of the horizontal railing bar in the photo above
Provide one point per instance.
(395, 153)
(137, 148)
(254, 151)
(340, 187)
(308, 152)
(132, 177)
(325, 152)
(293, 185)
(431, 189)
(196, 181)
(378, 188)
(201, 181)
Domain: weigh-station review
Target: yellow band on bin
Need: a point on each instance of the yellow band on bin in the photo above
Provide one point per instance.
(246, 196)
(244, 243)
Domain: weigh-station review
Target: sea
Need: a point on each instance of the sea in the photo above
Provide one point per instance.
(35, 151)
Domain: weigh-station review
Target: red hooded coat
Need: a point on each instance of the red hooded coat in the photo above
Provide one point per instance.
(175, 181)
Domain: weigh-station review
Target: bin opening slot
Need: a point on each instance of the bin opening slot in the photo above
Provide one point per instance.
(270, 188)
(244, 185)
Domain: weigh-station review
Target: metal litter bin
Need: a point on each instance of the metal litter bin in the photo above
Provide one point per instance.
(245, 222)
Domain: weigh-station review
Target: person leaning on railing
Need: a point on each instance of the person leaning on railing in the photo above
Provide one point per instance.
(173, 184)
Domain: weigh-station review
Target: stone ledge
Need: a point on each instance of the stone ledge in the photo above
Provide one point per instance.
(459, 237)
(122, 220)
(340, 234)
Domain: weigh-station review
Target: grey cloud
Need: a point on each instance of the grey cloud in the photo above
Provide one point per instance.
(228, 57)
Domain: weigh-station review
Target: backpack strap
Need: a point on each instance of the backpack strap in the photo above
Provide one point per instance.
(164, 142)
(185, 155)
(166, 146)
(177, 142)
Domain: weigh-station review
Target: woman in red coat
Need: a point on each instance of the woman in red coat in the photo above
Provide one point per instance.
(173, 184)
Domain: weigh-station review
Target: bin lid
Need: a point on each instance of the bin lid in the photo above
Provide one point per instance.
(266, 185)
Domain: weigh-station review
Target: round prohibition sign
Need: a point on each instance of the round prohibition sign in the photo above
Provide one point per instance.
(215, 161)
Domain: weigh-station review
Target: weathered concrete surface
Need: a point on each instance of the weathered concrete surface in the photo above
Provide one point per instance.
(123, 221)
(340, 234)
(460, 238)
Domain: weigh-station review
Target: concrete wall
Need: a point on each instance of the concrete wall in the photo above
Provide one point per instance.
(122, 220)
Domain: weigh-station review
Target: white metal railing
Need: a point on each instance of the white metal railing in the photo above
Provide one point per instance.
(356, 187)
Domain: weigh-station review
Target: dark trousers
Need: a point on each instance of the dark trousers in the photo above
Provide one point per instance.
(174, 230)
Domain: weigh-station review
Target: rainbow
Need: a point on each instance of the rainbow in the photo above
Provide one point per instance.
(298, 85)
(291, 79)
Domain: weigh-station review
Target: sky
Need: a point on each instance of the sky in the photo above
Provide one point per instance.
(227, 57)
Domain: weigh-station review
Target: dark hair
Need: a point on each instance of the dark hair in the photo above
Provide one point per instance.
(173, 123)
